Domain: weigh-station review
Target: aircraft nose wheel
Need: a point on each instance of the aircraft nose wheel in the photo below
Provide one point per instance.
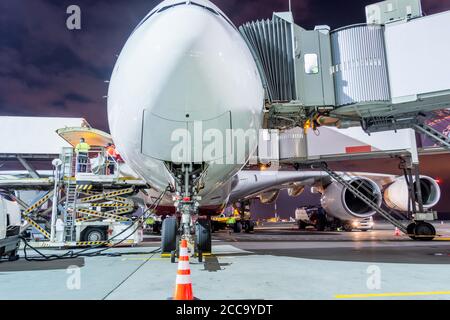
(422, 231)
(202, 238)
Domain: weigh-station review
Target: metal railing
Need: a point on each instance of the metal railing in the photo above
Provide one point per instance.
(95, 161)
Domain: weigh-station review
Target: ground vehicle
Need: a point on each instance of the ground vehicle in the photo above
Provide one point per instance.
(235, 222)
(153, 224)
(318, 218)
(9, 228)
(311, 216)
(365, 224)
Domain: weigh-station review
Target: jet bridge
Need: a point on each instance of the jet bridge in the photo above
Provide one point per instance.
(393, 65)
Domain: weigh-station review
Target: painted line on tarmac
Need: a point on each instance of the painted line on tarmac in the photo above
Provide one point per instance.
(442, 239)
(392, 294)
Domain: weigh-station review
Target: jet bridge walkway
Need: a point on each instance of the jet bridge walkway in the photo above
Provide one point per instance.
(392, 66)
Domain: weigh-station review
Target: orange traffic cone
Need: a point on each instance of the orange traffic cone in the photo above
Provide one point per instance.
(397, 232)
(183, 286)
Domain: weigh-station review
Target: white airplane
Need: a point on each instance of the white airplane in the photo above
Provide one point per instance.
(186, 64)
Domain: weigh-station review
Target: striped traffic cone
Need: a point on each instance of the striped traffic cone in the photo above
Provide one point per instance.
(183, 286)
(397, 232)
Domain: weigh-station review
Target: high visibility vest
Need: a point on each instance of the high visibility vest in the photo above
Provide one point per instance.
(82, 147)
(231, 220)
(111, 151)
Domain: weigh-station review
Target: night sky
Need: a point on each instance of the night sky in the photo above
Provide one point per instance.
(48, 70)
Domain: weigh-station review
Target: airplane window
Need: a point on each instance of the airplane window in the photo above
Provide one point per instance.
(215, 12)
(160, 10)
(311, 63)
(184, 3)
(204, 7)
(171, 6)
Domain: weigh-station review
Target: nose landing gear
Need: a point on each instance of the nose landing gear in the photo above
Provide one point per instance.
(197, 231)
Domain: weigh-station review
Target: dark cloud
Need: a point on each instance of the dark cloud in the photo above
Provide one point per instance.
(77, 97)
(46, 69)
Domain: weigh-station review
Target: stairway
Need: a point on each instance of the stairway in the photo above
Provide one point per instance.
(437, 136)
(70, 210)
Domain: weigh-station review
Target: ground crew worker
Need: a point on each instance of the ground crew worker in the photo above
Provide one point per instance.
(112, 157)
(82, 150)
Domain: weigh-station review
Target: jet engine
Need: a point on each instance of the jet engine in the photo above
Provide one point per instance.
(341, 203)
(396, 195)
(269, 197)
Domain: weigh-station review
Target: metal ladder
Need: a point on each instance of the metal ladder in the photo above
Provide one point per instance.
(70, 210)
(437, 136)
(356, 191)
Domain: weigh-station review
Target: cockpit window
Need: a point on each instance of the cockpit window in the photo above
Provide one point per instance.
(184, 3)
(205, 7)
(215, 12)
(171, 6)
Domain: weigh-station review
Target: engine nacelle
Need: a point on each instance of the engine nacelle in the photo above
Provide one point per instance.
(396, 196)
(295, 191)
(269, 197)
(341, 203)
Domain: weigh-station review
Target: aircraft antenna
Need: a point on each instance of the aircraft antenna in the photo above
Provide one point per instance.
(290, 7)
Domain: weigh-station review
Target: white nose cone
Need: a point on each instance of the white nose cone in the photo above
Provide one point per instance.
(185, 63)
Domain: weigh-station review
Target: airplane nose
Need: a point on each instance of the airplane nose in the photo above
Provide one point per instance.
(184, 65)
(184, 50)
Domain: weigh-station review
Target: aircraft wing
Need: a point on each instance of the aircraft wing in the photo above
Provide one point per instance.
(250, 184)
(257, 184)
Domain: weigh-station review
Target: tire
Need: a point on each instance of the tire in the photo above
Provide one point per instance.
(250, 226)
(301, 225)
(157, 228)
(94, 234)
(13, 256)
(411, 230)
(348, 227)
(321, 223)
(169, 235)
(203, 236)
(424, 231)
(237, 227)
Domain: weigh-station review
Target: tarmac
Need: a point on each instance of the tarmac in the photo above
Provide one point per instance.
(276, 262)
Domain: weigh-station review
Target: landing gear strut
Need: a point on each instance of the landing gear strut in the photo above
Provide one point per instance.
(417, 230)
(198, 234)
